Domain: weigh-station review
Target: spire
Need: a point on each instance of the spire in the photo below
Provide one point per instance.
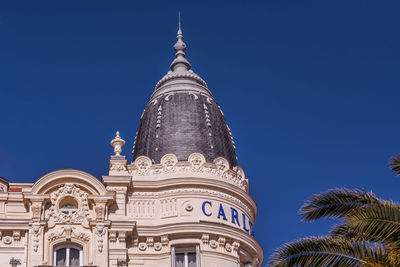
(180, 63)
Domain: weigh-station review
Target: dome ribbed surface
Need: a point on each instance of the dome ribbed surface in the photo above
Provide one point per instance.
(181, 127)
(182, 117)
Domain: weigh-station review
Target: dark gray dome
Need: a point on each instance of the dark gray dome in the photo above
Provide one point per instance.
(182, 118)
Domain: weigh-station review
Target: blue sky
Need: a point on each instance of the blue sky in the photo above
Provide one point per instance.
(310, 90)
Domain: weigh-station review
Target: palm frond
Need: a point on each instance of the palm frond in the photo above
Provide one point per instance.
(395, 164)
(379, 223)
(336, 203)
(342, 231)
(328, 251)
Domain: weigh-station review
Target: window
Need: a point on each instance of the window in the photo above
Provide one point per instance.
(68, 205)
(68, 209)
(68, 256)
(185, 257)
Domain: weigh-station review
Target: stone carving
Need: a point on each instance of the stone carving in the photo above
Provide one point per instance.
(141, 208)
(121, 237)
(142, 246)
(143, 164)
(164, 240)
(168, 161)
(235, 246)
(112, 236)
(67, 232)
(169, 207)
(196, 163)
(150, 241)
(117, 166)
(100, 230)
(69, 190)
(191, 191)
(228, 247)
(157, 246)
(36, 230)
(16, 235)
(205, 238)
(222, 164)
(189, 207)
(221, 241)
(7, 240)
(117, 143)
(213, 243)
(196, 160)
(118, 189)
(36, 208)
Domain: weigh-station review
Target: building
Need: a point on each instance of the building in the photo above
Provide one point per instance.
(183, 201)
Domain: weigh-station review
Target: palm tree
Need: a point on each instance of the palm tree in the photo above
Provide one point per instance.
(368, 233)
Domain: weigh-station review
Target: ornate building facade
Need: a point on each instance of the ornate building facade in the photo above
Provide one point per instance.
(183, 201)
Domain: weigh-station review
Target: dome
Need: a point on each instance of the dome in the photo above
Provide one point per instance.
(182, 117)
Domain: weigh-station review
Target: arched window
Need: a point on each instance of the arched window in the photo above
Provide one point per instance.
(68, 255)
(68, 205)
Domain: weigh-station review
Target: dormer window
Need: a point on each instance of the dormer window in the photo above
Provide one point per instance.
(68, 205)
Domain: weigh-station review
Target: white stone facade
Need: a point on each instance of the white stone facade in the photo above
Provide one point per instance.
(141, 214)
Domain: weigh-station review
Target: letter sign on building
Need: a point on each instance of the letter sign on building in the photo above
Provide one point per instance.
(247, 225)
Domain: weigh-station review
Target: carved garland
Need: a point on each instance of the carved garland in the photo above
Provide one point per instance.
(69, 190)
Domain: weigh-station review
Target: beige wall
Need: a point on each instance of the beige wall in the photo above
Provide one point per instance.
(139, 213)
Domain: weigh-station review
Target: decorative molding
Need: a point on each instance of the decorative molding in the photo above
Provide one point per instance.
(36, 230)
(221, 243)
(208, 121)
(196, 163)
(189, 207)
(169, 207)
(17, 235)
(142, 164)
(169, 161)
(67, 232)
(159, 115)
(112, 236)
(144, 208)
(137, 202)
(149, 245)
(121, 237)
(100, 231)
(222, 164)
(69, 190)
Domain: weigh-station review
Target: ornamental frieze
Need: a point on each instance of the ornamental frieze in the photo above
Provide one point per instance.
(69, 204)
(196, 163)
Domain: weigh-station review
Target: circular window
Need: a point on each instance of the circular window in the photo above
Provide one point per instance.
(68, 205)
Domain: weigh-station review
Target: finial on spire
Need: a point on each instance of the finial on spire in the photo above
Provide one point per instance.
(179, 21)
(180, 63)
(117, 143)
